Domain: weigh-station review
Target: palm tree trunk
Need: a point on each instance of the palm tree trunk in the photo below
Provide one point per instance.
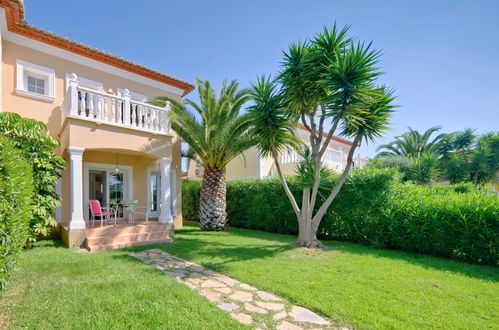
(212, 211)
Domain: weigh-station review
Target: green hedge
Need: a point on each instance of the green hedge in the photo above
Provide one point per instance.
(374, 208)
(16, 192)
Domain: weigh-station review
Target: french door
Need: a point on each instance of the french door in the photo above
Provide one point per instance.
(154, 194)
(108, 186)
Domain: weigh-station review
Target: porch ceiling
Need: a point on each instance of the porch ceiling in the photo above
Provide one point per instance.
(90, 136)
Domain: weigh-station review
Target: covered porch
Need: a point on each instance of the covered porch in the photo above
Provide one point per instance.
(111, 178)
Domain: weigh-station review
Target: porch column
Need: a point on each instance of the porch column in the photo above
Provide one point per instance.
(76, 173)
(166, 213)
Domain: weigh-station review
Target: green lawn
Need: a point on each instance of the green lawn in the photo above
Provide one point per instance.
(353, 284)
(59, 288)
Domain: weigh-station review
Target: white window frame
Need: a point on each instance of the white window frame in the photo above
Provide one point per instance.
(24, 69)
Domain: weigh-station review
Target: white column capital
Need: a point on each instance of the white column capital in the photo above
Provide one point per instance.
(166, 160)
(75, 151)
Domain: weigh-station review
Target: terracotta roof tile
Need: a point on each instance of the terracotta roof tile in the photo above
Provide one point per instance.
(325, 134)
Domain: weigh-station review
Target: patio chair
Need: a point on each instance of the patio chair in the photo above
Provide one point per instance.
(132, 209)
(104, 213)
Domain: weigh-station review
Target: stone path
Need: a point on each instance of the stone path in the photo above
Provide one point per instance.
(246, 304)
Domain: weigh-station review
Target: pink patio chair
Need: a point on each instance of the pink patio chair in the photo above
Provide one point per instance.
(104, 213)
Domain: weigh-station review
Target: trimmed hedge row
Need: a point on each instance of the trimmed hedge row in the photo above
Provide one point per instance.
(16, 192)
(374, 208)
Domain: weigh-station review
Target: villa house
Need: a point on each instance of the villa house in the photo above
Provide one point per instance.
(116, 146)
(252, 166)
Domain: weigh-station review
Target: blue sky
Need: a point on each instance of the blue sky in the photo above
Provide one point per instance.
(440, 56)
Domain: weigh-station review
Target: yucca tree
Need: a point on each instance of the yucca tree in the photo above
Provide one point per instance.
(216, 132)
(413, 144)
(327, 84)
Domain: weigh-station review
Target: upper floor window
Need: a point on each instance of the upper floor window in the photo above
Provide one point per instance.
(35, 81)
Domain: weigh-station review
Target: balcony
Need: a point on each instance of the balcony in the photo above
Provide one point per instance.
(331, 156)
(121, 111)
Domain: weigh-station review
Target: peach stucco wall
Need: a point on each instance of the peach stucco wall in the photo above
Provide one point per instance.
(140, 149)
(244, 166)
(247, 167)
(50, 112)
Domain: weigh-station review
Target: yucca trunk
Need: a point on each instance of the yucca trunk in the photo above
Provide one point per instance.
(212, 211)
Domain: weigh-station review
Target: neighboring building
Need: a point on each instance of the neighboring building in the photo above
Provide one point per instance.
(251, 166)
(116, 146)
(360, 162)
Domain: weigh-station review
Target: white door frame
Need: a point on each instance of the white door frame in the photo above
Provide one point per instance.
(127, 182)
(173, 192)
(150, 171)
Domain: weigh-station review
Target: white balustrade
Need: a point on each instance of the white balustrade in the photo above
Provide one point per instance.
(331, 155)
(117, 110)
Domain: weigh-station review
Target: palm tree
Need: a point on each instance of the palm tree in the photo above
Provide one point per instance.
(413, 144)
(326, 83)
(216, 132)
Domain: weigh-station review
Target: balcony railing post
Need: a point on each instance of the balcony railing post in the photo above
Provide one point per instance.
(166, 123)
(73, 95)
(126, 107)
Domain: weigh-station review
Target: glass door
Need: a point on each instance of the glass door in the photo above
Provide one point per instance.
(97, 186)
(154, 194)
(115, 183)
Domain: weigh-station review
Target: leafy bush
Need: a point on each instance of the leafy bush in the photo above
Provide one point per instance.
(16, 192)
(448, 222)
(31, 138)
(375, 208)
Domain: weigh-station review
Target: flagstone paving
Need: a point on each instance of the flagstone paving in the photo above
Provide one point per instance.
(245, 303)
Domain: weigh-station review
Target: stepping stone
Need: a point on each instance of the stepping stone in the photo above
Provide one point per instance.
(228, 307)
(208, 272)
(242, 296)
(195, 281)
(198, 275)
(242, 317)
(301, 314)
(245, 286)
(197, 268)
(270, 306)
(175, 274)
(252, 308)
(180, 266)
(267, 296)
(288, 326)
(223, 290)
(211, 295)
(212, 284)
(280, 316)
(226, 280)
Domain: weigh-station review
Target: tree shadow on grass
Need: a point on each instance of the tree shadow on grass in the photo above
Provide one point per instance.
(485, 272)
(49, 242)
(192, 243)
(191, 248)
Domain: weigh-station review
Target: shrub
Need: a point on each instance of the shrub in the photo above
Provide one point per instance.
(375, 208)
(450, 222)
(31, 138)
(16, 192)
